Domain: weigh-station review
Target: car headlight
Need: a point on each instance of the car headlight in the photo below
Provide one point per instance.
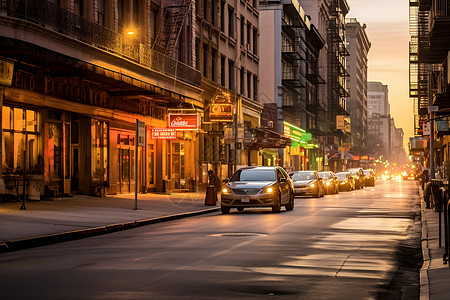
(312, 185)
(268, 190)
(226, 190)
(328, 183)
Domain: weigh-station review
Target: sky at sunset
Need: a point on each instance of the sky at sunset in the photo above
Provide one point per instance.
(388, 31)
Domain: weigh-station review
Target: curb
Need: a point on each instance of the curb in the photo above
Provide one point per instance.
(424, 282)
(45, 240)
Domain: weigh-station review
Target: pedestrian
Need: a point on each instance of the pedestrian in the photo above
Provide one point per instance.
(214, 180)
(425, 177)
(212, 189)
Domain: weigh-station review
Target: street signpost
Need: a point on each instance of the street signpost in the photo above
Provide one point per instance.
(140, 141)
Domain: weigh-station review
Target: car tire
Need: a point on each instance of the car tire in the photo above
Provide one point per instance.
(240, 209)
(277, 207)
(290, 205)
(317, 195)
(225, 210)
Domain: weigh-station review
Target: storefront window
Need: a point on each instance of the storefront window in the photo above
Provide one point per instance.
(100, 151)
(54, 150)
(20, 140)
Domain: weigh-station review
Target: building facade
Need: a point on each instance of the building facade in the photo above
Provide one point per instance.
(289, 72)
(79, 75)
(329, 16)
(429, 83)
(226, 36)
(378, 120)
(358, 46)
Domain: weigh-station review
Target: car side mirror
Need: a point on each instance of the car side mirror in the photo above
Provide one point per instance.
(283, 179)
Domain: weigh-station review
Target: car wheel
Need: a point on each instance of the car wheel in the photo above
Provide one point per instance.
(240, 209)
(277, 207)
(290, 205)
(317, 194)
(225, 210)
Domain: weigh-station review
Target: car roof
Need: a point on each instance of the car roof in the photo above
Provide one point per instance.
(305, 171)
(259, 167)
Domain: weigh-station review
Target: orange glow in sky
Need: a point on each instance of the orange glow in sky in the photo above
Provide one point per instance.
(388, 30)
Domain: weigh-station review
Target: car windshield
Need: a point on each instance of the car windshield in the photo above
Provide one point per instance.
(303, 176)
(325, 175)
(341, 176)
(366, 172)
(254, 175)
(353, 172)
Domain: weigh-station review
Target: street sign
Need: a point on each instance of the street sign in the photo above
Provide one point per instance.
(140, 133)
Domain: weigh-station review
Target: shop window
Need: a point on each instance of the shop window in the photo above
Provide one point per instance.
(100, 151)
(20, 141)
(54, 150)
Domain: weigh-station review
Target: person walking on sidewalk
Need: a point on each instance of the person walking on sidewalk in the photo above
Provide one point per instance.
(214, 180)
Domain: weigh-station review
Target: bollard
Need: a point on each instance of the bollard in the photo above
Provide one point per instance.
(211, 195)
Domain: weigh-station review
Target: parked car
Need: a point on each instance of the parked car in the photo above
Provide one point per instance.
(258, 187)
(369, 177)
(346, 181)
(330, 182)
(307, 183)
(358, 175)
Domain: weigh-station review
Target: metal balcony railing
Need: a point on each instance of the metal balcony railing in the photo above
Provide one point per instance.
(52, 17)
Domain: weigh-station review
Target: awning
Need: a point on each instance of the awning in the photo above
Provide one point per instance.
(259, 138)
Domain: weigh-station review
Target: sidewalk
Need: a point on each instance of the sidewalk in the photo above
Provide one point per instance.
(68, 218)
(434, 275)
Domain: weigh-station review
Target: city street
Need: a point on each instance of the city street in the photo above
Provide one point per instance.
(363, 244)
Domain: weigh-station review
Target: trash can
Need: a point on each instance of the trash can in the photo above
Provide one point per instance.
(211, 196)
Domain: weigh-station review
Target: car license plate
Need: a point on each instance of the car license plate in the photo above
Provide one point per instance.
(245, 199)
(299, 190)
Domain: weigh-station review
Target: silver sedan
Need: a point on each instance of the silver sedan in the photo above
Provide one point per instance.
(258, 187)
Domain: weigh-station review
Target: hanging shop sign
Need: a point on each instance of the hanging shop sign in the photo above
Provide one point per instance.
(164, 133)
(221, 108)
(184, 121)
(6, 72)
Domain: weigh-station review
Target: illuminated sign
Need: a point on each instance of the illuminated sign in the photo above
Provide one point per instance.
(221, 108)
(299, 136)
(184, 121)
(164, 133)
(221, 112)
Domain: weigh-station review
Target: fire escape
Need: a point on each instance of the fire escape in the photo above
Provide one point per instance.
(293, 61)
(337, 53)
(314, 79)
(418, 73)
(175, 18)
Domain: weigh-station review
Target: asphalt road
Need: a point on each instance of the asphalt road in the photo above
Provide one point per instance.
(355, 245)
